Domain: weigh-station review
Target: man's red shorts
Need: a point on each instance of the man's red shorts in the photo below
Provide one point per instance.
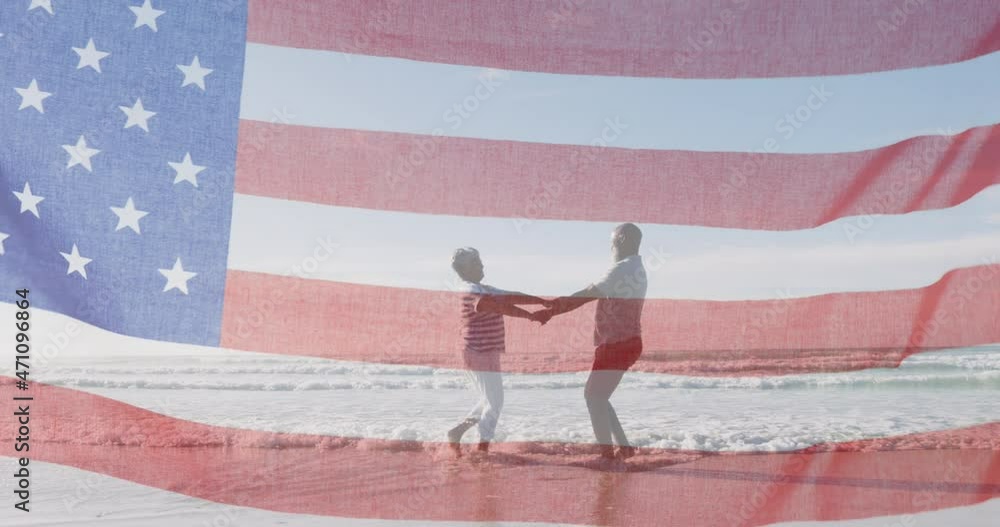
(617, 356)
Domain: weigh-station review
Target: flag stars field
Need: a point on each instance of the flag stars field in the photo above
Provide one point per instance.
(110, 82)
(186, 170)
(146, 15)
(194, 73)
(137, 115)
(129, 216)
(177, 277)
(32, 96)
(80, 154)
(90, 56)
(3, 236)
(45, 5)
(77, 263)
(29, 201)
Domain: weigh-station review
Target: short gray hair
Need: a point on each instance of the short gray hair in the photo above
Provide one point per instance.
(462, 256)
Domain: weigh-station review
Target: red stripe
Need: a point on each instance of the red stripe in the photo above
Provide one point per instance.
(475, 177)
(645, 38)
(836, 332)
(526, 482)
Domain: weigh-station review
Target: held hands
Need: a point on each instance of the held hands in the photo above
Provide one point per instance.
(542, 316)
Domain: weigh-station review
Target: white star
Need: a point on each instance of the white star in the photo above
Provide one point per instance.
(32, 96)
(128, 216)
(3, 236)
(80, 154)
(177, 277)
(44, 4)
(89, 56)
(194, 73)
(137, 115)
(77, 263)
(146, 15)
(29, 201)
(186, 170)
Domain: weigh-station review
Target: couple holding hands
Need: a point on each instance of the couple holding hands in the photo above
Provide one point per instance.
(617, 337)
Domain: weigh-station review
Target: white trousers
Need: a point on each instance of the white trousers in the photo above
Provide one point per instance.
(489, 387)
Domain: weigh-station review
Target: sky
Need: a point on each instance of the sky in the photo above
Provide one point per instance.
(848, 113)
(321, 88)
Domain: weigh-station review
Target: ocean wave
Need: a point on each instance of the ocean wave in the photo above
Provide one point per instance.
(408, 439)
(209, 380)
(959, 369)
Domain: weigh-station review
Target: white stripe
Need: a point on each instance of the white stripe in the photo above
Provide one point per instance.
(76, 495)
(559, 257)
(321, 88)
(338, 398)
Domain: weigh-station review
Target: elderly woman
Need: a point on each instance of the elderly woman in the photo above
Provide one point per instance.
(483, 309)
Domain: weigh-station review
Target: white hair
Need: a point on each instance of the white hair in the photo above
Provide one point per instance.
(462, 256)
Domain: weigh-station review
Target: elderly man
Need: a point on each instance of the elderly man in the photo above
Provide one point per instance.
(620, 295)
(483, 309)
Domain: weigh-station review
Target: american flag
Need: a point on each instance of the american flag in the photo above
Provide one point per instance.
(276, 182)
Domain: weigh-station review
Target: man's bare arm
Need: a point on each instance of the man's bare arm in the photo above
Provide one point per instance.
(565, 304)
(502, 305)
(518, 298)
